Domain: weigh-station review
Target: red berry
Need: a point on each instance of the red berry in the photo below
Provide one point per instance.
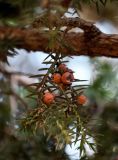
(70, 70)
(48, 98)
(56, 78)
(81, 99)
(67, 78)
(62, 68)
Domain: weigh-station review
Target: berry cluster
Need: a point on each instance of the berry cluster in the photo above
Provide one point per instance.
(59, 101)
(63, 77)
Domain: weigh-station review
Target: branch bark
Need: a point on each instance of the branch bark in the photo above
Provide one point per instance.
(92, 42)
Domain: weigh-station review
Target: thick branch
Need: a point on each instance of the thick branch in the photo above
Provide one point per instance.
(93, 43)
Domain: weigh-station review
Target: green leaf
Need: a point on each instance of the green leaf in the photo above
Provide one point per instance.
(43, 69)
(37, 76)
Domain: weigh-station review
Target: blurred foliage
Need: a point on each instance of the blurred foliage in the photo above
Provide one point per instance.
(18, 145)
(18, 12)
(104, 93)
(22, 12)
(107, 147)
(103, 86)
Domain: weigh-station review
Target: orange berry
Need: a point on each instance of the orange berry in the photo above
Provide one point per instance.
(62, 67)
(81, 99)
(48, 98)
(70, 70)
(67, 78)
(57, 78)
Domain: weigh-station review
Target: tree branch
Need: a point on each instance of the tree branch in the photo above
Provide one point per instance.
(92, 42)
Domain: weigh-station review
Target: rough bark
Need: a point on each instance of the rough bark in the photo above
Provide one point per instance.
(91, 42)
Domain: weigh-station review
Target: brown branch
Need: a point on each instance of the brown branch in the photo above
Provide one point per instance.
(91, 42)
